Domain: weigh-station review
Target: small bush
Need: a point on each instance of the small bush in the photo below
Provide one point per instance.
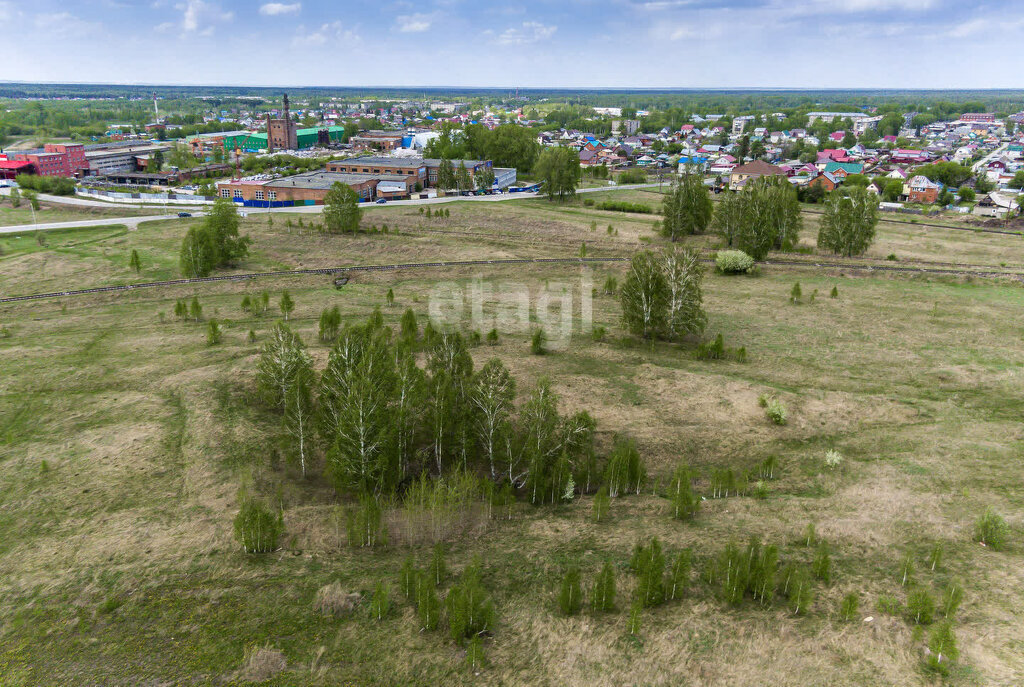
(848, 606)
(822, 564)
(714, 350)
(601, 504)
(952, 597)
(598, 333)
(991, 530)
(624, 206)
(887, 604)
(920, 606)
(611, 285)
(795, 294)
(833, 459)
(602, 597)
(907, 570)
(588, 202)
(257, 529)
(776, 412)
(213, 333)
(492, 337)
(570, 598)
(380, 604)
(733, 262)
(537, 341)
(834, 293)
(942, 650)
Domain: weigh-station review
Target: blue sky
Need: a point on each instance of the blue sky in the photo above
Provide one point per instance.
(574, 43)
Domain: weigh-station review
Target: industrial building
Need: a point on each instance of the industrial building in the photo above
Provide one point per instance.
(311, 188)
(282, 133)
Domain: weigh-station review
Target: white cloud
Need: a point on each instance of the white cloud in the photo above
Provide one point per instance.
(64, 24)
(199, 17)
(414, 23)
(333, 31)
(529, 32)
(272, 9)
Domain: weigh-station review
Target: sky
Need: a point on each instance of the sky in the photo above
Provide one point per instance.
(527, 43)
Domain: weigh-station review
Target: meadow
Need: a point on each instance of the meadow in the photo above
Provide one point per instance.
(125, 437)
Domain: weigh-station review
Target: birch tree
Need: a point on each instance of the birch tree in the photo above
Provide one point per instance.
(450, 367)
(644, 296)
(299, 413)
(282, 358)
(493, 394)
(356, 391)
(848, 225)
(683, 275)
(687, 208)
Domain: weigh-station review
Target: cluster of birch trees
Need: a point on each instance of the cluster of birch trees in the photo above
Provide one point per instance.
(389, 408)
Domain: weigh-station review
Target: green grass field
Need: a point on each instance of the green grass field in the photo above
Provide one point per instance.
(124, 439)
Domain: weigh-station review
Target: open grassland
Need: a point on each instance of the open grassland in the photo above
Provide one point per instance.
(124, 439)
(56, 212)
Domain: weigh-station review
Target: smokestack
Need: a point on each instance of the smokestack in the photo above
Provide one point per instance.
(286, 116)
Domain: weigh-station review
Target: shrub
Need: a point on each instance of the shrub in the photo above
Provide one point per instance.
(601, 504)
(795, 294)
(733, 262)
(492, 337)
(848, 606)
(475, 653)
(776, 412)
(685, 502)
(800, 593)
(364, 525)
(633, 624)
(602, 597)
(888, 604)
(935, 556)
(822, 564)
(213, 333)
(679, 574)
(767, 468)
(598, 333)
(588, 201)
(537, 341)
(257, 529)
(833, 459)
(834, 293)
(714, 350)
(952, 597)
(942, 649)
(428, 606)
(625, 472)
(570, 598)
(611, 285)
(810, 537)
(648, 562)
(380, 604)
(470, 610)
(991, 530)
(623, 206)
(907, 570)
(920, 606)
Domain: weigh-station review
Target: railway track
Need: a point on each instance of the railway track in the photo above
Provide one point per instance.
(342, 271)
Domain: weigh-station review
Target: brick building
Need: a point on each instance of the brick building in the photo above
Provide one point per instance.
(311, 188)
(75, 153)
(377, 140)
(409, 167)
(282, 134)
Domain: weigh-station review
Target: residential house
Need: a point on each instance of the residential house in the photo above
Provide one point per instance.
(921, 189)
(826, 180)
(739, 176)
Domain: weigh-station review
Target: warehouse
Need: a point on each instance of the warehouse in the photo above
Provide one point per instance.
(312, 188)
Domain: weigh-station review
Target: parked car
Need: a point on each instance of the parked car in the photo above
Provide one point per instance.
(381, 201)
(184, 214)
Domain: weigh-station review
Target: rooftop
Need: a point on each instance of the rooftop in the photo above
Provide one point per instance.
(324, 180)
(406, 162)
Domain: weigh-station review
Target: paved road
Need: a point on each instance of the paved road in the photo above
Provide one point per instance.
(130, 222)
(304, 209)
(980, 164)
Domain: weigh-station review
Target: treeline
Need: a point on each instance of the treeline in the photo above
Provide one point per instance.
(56, 186)
(508, 145)
(379, 420)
